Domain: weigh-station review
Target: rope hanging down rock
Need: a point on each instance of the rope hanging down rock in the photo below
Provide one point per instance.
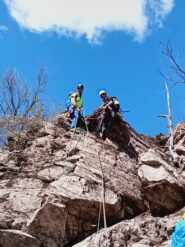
(83, 135)
(102, 203)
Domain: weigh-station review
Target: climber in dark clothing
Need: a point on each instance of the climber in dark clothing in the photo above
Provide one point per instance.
(110, 107)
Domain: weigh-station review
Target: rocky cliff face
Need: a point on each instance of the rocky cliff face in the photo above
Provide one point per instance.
(53, 183)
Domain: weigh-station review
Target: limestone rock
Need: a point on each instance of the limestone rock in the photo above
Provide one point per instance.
(3, 156)
(51, 186)
(144, 230)
(44, 141)
(153, 174)
(15, 197)
(48, 224)
(82, 201)
(50, 174)
(152, 158)
(15, 238)
(158, 178)
(1, 175)
(48, 129)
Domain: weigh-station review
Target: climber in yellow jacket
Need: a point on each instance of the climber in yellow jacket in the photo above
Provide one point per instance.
(76, 108)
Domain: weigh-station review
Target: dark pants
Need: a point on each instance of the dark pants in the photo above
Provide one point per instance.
(104, 122)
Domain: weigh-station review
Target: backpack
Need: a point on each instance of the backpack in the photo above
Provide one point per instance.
(116, 103)
(68, 102)
(178, 236)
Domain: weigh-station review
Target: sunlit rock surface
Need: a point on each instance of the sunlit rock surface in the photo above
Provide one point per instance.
(51, 186)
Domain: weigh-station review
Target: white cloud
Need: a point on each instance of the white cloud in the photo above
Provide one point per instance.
(157, 10)
(89, 17)
(167, 5)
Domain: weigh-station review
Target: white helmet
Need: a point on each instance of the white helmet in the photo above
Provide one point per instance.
(101, 92)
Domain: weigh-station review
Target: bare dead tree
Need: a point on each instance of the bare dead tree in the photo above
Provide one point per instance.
(20, 102)
(170, 127)
(30, 103)
(169, 118)
(175, 68)
(175, 74)
(10, 96)
(17, 97)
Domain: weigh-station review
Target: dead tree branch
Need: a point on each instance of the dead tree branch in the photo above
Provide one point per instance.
(177, 71)
(20, 102)
(170, 127)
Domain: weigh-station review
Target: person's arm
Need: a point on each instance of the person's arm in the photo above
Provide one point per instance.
(108, 105)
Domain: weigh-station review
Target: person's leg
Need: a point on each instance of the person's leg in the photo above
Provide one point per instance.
(74, 118)
(81, 121)
(101, 130)
(100, 122)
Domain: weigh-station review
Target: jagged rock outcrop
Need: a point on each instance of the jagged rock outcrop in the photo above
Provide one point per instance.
(17, 238)
(142, 231)
(51, 187)
(157, 175)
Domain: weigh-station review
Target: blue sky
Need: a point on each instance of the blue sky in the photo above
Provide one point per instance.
(117, 51)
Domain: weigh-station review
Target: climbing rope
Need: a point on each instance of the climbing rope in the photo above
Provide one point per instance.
(67, 149)
(82, 137)
(65, 224)
(85, 122)
(99, 218)
(72, 136)
(102, 203)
